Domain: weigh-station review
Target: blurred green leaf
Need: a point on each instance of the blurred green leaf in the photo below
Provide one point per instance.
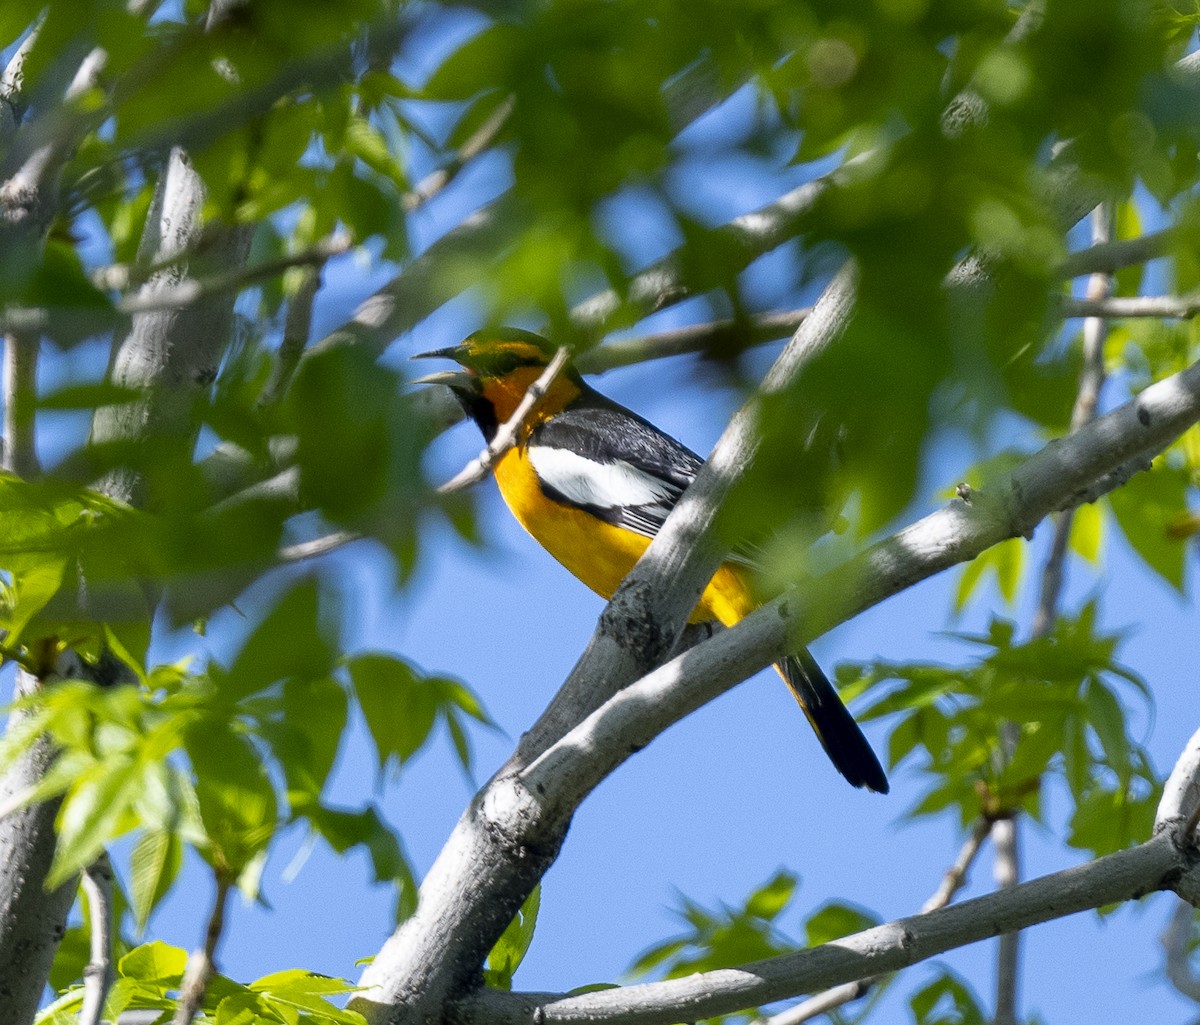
(1145, 507)
(154, 865)
(834, 921)
(236, 798)
(506, 956)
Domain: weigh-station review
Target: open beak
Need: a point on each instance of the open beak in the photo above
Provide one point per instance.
(453, 352)
(458, 379)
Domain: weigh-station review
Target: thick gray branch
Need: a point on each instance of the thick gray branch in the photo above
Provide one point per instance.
(32, 919)
(1010, 507)
(170, 354)
(1126, 875)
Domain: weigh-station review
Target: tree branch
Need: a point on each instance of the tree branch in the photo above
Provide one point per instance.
(99, 974)
(31, 918)
(1176, 942)
(838, 996)
(1007, 872)
(480, 140)
(172, 353)
(1115, 878)
(721, 336)
(1171, 307)
(20, 404)
(1110, 256)
(202, 965)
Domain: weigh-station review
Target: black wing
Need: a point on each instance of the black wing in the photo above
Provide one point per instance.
(606, 459)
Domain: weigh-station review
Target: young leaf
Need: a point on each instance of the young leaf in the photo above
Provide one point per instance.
(506, 956)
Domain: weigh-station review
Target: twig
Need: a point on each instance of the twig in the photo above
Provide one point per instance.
(1176, 307)
(201, 966)
(1091, 380)
(954, 879)
(302, 550)
(508, 433)
(98, 974)
(481, 139)
(1110, 256)
(956, 875)
(1008, 955)
(191, 290)
(12, 80)
(722, 336)
(20, 403)
(296, 328)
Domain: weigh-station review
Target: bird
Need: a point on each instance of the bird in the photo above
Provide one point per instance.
(593, 483)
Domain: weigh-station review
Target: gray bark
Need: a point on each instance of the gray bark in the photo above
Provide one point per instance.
(32, 919)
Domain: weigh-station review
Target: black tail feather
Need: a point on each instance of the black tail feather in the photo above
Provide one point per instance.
(834, 725)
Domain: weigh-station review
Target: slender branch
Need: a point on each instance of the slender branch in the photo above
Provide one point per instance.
(838, 996)
(296, 328)
(202, 965)
(1091, 381)
(480, 140)
(1126, 875)
(12, 81)
(956, 875)
(318, 546)
(119, 276)
(1176, 307)
(720, 336)
(1006, 836)
(20, 404)
(1112, 255)
(99, 973)
(744, 239)
(1008, 956)
(510, 431)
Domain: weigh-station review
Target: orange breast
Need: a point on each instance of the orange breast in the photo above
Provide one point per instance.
(599, 553)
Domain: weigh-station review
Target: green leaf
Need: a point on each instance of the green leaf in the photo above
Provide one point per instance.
(1087, 531)
(506, 956)
(290, 642)
(1006, 560)
(236, 799)
(400, 706)
(155, 962)
(97, 810)
(1108, 720)
(946, 1001)
(154, 865)
(305, 733)
(836, 920)
(1145, 509)
(773, 896)
(284, 992)
(343, 830)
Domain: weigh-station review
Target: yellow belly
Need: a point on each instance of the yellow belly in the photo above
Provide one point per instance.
(599, 553)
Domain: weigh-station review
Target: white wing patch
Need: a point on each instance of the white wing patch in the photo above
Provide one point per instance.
(615, 485)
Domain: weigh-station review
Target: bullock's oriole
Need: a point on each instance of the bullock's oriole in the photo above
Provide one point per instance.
(593, 482)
